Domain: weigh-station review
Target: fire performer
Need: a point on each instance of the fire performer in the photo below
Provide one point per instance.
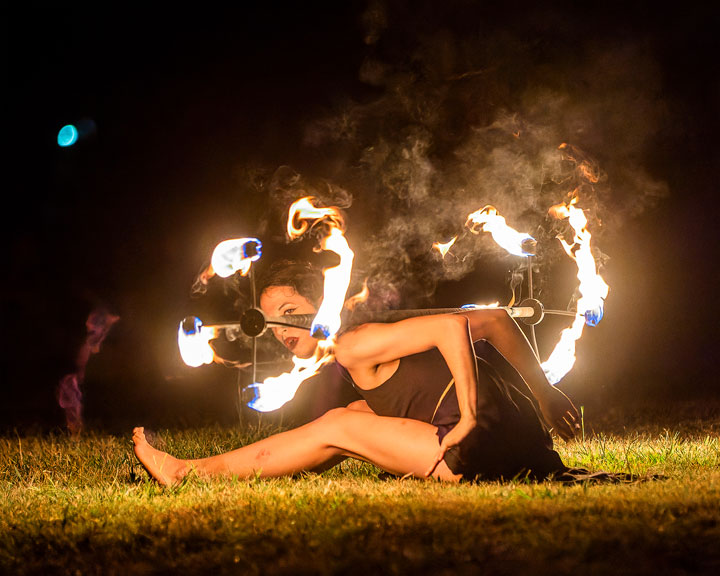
(445, 396)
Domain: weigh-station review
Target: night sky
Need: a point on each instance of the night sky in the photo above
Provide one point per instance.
(201, 124)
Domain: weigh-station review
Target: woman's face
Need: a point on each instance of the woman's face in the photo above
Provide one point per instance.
(284, 301)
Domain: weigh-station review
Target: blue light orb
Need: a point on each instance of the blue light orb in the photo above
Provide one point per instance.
(67, 136)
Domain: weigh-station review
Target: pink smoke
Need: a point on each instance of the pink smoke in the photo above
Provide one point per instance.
(69, 394)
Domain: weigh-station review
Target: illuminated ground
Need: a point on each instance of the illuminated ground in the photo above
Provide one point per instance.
(82, 506)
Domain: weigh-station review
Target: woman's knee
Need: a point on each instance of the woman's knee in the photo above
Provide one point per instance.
(495, 322)
(334, 428)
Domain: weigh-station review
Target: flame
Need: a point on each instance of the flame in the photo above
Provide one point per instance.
(443, 248)
(337, 280)
(275, 391)
(231, 256)
(481, 306)
(308, 215)
(358, 298)
(205, 275)
(488, 220)
(194, 342)
(593, 291)
(304, 215)
(562, 358)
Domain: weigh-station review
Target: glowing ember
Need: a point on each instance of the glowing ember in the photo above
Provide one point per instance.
(443, 248)
(236, 255)
(487, 219)
(303, 215)
(593, 291)
(194, 342)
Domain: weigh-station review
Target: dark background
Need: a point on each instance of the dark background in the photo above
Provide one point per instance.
(193, 108)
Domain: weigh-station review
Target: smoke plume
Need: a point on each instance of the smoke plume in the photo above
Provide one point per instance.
(468, 116)
(69, 394)
(463, 110)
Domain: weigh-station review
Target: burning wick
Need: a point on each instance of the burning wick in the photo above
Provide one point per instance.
(592, 287)
(236, 255)
(98, 325)
(487, 219)
(229, 257)
(194, 342)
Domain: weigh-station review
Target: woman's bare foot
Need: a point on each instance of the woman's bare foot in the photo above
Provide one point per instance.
(161, 466)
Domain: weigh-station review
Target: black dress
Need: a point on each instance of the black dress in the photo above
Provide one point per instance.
(509, 440)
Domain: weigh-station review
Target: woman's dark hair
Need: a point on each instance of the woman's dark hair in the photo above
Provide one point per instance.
(304, 277)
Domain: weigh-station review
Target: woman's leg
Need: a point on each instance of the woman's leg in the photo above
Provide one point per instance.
(505, 335)
(397, 445)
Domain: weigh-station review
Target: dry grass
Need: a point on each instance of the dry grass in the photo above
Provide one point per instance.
(82, 506)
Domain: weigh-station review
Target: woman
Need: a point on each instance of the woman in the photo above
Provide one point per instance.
(431, 408)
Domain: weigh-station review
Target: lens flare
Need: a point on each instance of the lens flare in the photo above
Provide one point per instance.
(67, 136)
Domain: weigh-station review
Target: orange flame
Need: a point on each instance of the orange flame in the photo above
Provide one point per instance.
(443, 248)
(304, 215)
(358, 298)
(487, 219)
(206, 274)
(593, 290)
(194, 345)
(307, 215)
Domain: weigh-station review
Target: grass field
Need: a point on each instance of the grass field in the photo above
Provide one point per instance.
(82, 506)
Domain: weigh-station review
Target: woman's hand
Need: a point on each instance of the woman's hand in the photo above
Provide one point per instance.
(452, 438)
(559, 413)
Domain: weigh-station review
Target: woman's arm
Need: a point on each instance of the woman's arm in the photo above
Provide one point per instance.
(505, 335)
(369, 346)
